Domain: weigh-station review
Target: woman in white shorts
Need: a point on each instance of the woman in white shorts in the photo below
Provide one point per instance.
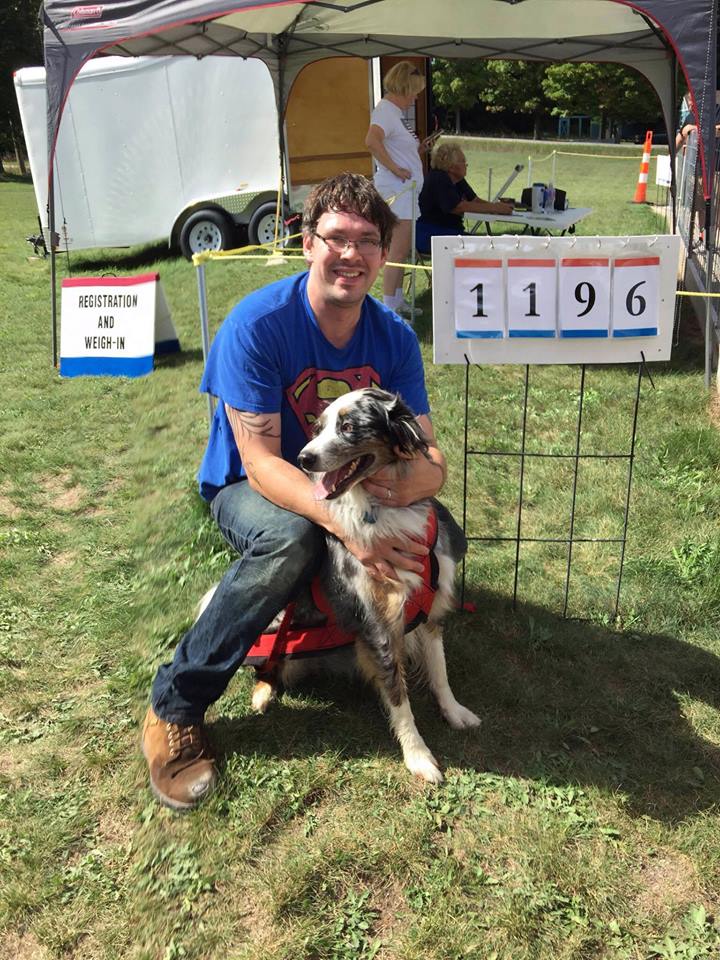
(397, 157)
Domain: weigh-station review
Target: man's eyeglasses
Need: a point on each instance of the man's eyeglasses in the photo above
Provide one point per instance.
(366, 246)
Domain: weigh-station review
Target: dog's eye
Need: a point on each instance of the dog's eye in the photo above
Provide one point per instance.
(346, 428)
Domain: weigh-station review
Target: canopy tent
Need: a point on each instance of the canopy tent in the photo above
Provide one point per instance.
(656, 37)
(651, 36)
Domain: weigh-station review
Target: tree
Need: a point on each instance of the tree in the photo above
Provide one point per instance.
(456, 84)
(516, 85)
(611, 92)
(512, 85)
(20, 46)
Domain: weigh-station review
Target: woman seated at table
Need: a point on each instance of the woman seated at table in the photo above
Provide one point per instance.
(446, 197)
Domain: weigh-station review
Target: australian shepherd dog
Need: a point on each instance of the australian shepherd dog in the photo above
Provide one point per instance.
(355, 436)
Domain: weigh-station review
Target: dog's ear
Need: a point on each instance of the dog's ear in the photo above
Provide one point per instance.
(405, 432)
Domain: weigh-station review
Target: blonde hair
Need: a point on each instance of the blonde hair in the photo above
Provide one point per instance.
(445, 155)
(404, 79)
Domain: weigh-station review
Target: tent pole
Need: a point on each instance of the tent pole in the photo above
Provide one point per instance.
(672, 149)
(53, 265)
(709, 329)
(205, 332)
(413, 253)
(282, 145)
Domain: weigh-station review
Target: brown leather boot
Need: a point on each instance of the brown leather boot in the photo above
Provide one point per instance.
(182, 768)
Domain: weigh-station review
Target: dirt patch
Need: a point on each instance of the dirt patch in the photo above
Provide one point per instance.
(13, 769)
(9, 509)
(62, 493)
(23, 946)
(115, 828)
(390, 904)
(714, 410)
(669, 881)
(256, 924)
(64, 559)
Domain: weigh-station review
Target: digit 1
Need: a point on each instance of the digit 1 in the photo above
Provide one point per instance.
(478, 288)
(533, 303)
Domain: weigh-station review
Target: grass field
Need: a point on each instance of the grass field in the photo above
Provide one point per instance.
(580, 821)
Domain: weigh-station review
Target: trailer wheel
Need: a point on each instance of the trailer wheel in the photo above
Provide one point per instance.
(261, 227)
(206, 230)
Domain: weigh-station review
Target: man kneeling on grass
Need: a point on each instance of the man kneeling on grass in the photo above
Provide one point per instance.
(321, 329)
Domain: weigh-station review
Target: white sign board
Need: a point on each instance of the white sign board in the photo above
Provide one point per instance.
(663, 170)
(513, 299)
(114, 326)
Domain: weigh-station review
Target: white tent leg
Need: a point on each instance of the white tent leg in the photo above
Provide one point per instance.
(204, 331)
(413, 255)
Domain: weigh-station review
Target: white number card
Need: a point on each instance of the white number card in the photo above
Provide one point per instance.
(479, 298)
(531, 297)
(584, 301)
(635, 297)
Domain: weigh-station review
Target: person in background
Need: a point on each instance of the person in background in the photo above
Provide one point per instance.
(686, 127)
(397, 153)
(446, 197)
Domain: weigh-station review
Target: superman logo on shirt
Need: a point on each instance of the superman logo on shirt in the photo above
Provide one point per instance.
(314, 389)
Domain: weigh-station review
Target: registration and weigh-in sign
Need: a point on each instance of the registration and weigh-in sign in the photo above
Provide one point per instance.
(512, 299)
(114, 326)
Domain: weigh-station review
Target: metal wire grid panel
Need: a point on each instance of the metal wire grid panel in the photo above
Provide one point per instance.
(699, 229)
(576, 457)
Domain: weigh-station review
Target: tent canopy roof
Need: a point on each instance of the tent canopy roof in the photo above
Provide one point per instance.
(645, 34)
(433, 29)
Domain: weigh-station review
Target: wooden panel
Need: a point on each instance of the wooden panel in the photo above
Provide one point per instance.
(327, 119)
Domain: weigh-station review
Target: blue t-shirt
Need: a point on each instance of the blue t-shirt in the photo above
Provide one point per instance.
(269, 356)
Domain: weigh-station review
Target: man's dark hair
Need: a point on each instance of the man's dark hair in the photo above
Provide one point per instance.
(349, 193)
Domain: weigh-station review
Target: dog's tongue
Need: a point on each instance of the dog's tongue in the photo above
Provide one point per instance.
(327, 483)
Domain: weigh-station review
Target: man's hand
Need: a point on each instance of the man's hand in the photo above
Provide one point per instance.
(399, 486)
(417, 478)
(386, 557)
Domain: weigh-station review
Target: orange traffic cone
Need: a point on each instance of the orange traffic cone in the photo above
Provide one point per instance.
(641, 188)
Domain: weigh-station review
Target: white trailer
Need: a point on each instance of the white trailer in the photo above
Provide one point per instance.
(150, 148)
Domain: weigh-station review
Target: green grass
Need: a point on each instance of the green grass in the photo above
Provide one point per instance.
(581, 821)
(601, 178)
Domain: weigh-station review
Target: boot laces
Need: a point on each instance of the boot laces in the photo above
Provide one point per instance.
(185, 741)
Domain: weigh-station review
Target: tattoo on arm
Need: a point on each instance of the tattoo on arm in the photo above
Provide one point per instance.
(252, 472)
(246, 425)
(252, 424)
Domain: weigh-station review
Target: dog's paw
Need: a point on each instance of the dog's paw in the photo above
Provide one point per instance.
(459, 717)
(422, 764)
(262, 696)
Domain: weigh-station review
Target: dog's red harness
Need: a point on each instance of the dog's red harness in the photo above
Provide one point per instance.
(292, 641)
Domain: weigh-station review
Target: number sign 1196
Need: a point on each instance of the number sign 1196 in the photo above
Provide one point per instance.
(581, 297)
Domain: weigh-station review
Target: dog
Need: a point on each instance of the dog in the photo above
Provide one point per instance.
(355, 436)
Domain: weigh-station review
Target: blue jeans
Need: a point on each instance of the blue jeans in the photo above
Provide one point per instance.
(279, 552)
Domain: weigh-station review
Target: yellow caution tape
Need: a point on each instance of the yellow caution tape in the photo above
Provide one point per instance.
(594, 156)
(692, 293)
